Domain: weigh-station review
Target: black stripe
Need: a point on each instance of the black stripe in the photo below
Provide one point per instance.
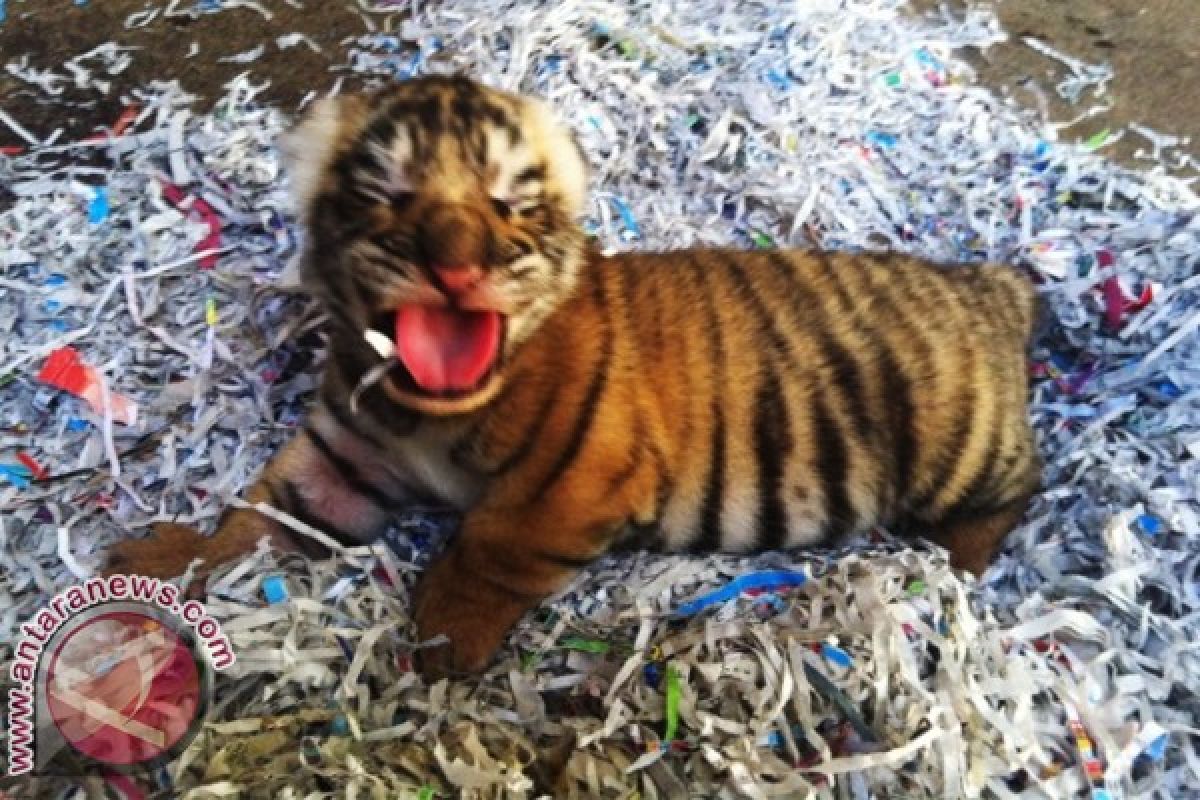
(831, 467)
(478, 147)
(714, 491)
(916, 342)
(530, 174)
(524, 247)
(978, 494)
(897, 389)
(810, 312)
(641, 536)
(947, 458)
(341, 315)
(664, 483)
(658, 338)
(336, 289)
(628, 332)
(349, 473)
(591, 400)
(897, 399)
(1010, 309)
(826, 260)
(773, 441)
(273, 495)
(647, 534)
(426, 111)
(345, 419)
(710, 537)
(907, 447)
(397, 249)
(772, 444)
(989, 298)
(381, 131)
(680, 363)
(463, 114)
(295, 506)
(746, 290)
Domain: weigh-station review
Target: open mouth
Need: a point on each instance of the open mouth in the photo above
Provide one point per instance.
(443, 352)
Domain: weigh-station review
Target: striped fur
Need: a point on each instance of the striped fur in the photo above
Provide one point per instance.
(692, 400)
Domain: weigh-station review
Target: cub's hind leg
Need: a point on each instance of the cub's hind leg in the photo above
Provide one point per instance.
(973, 529)
(972, 539)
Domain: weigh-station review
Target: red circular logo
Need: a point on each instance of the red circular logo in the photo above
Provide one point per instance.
(123, 688)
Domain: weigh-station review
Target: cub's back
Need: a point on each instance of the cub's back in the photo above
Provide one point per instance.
(794, 395)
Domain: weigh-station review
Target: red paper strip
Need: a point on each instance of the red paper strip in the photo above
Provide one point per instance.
(65, 370)
(37, 469)
(123, 122)
(1116, 305)
(188, 203)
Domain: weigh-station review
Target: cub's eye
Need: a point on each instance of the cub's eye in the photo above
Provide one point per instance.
(502, 208)
(401, 200)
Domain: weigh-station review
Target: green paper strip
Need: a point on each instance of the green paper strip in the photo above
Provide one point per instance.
(1097, 141)
(672, 705)
(586, 645)
(762, 240)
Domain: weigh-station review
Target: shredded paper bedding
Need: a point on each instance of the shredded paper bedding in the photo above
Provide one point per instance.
(154, 352)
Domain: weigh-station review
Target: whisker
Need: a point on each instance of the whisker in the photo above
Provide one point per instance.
(371, 377)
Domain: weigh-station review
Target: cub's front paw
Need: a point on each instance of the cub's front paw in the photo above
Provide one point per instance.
(164, 554)
(473, 613)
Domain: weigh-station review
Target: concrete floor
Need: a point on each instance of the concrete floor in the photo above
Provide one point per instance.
(1154, 45)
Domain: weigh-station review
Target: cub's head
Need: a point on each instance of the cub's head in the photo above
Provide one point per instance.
(441, 224)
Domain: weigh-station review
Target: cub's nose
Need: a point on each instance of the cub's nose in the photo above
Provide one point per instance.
(452, 237)
(458, 279)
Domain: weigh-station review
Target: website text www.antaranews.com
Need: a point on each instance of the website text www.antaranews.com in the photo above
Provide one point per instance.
(61, 608)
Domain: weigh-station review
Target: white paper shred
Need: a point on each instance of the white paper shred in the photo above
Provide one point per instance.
(843, 123)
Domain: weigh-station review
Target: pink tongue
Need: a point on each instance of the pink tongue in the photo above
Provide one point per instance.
(446, 349)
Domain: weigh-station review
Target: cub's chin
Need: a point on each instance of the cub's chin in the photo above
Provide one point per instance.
(404, 393)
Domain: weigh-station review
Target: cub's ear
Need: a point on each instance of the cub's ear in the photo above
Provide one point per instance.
(312, 146)
(568, 173)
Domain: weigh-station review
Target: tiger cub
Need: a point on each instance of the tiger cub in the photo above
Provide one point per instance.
(570, 403)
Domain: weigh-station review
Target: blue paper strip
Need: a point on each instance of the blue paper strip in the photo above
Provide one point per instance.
(770, 579)
(16, 474)
(98, 208)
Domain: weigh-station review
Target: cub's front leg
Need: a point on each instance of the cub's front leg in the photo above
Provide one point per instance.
(503, 563)
(328, 477)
